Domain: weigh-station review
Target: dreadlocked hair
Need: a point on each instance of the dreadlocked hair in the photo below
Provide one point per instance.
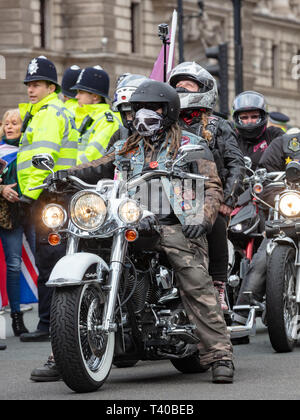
(205, 133)
(173, 136)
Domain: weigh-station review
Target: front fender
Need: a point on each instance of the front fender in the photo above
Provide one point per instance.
(280, 241)
(70, 270)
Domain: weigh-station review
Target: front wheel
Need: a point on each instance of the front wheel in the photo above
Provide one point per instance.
(282, 308)
(82, 351)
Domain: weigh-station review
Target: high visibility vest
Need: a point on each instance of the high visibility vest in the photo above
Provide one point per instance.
(96, 125)
(71, 105)
(48, 127)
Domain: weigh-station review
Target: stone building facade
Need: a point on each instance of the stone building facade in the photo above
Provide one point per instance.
(121, 36)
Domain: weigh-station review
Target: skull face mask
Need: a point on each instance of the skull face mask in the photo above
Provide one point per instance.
(147, 122)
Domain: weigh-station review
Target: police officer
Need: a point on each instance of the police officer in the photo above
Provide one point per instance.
(69, 79)
(94, 119)
(47, 128)
(198, 95)
(157, 138)
(278, 119)
(250, 117)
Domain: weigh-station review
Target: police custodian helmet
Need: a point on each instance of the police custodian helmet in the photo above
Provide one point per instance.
(93, 80)
(69, 79)
(40, 68)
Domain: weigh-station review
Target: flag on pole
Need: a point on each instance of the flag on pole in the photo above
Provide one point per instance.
(28, 277)
(158, 68)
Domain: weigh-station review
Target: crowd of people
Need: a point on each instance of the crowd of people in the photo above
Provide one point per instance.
(74, 122)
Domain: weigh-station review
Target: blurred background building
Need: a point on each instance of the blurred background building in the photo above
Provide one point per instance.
(121, 36)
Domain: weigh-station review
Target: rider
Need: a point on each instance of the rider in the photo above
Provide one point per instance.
(198, 93)
(250, 117)
(277, 155)
(125, 88)
(157, 139)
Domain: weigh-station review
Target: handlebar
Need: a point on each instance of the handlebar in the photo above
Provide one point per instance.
(129, 184)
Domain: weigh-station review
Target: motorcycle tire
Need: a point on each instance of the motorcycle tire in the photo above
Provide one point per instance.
(83, 355)
(281, 308)
(190, 364)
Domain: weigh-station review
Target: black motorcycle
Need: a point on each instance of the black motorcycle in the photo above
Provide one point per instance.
(245, 234)
(283, 274)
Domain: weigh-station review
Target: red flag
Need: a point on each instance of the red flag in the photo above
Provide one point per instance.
(3, 294)
(28, 277)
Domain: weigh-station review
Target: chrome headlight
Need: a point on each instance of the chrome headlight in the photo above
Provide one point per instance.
(130, 211)
(289, 204)
(88, 210)
(54, 216)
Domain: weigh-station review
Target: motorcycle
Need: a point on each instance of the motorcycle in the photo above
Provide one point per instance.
(283, 274)
(245, 234)
(115, 299)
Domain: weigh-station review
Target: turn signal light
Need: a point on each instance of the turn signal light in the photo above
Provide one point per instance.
(258, 188)
(131, 235)
(54, 239)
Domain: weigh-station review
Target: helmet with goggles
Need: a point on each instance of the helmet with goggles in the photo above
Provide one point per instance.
(154, 95)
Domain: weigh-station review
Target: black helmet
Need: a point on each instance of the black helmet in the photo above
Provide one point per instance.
(40, 68)
(69, 79)
(93, 80)
(153, 92)
(250, 101)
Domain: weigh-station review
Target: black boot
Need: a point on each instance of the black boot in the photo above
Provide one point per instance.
(48, 373)
(222, 372)
(18, 324)
(2, 346)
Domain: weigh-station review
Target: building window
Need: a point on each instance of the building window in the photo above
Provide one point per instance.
(43, 11)
(275, 66)
(135, 26)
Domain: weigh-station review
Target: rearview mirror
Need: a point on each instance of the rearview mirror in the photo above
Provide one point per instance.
(189, 153)
(248, 162)
(44, 162)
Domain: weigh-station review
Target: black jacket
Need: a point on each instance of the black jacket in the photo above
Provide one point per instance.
(281, 151)
(228, 156)
(255, 148)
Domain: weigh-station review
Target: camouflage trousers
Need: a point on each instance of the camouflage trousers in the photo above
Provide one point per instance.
(189, 258)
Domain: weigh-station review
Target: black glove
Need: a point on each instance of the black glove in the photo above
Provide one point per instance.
(193, 231)
(60, 176)
(147, 225)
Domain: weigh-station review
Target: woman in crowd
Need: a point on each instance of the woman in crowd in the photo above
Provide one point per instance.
(11, 225)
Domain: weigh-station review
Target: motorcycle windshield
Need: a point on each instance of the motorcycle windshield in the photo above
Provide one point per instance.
(244, 198)
(246, 213)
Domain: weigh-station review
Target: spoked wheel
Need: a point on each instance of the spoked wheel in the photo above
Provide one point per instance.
(282, 308)
(82, 351)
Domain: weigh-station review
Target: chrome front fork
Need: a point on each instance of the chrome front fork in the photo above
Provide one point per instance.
(117, 259)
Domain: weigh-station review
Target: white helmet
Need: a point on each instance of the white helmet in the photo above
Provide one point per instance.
(126, 87)
(207, 95)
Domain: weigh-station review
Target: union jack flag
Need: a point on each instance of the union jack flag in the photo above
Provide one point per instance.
(28, 277)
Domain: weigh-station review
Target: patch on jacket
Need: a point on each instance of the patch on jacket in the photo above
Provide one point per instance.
(294, 144)
(261, 146)
(185, 140)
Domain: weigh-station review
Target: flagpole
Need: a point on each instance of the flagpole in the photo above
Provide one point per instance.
(172, 41)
